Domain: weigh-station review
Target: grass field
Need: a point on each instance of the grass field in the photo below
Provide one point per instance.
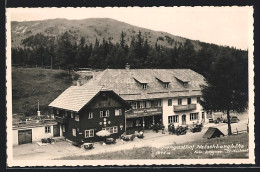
(32, 84)
(182, 151)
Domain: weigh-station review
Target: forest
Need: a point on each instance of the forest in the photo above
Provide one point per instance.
(69, 52)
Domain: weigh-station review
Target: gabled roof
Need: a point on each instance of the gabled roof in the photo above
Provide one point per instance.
(123, 83)
(162, 78)
(75, 97)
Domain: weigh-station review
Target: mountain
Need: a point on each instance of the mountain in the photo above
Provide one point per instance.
(92, 29)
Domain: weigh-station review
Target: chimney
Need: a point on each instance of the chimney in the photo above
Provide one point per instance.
(127, 66)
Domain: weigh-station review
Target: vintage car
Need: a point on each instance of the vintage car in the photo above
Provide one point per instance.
(88, 145)
(127, 137)
(211, 120)
(110, 140)
(233, 119)
(196, 128)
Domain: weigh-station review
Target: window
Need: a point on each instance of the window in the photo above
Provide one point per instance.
(148, 104)
(58, 112)
(188, 101)
(142, 104)
(158, 103)
(172, 119)
(138, 122)
(90, 115)
(115, 129)
(102, 114)
(72, 115)
(179, 101)
(194, 116)
(47, 129)
(129, 123)
(73, 131)
(76, 117)
(144, 86)
(169, 102)
(107, 113)
(134, 105)
(118, 112)
(89, 133)
(111, 130)
(198, 99)
(166, 85)
(185, 84)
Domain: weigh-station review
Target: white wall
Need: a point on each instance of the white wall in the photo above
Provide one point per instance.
(168, 111)
(38, 133)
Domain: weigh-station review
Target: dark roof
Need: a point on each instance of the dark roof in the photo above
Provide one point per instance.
(212, 133)
(76, 97)
(126, 83)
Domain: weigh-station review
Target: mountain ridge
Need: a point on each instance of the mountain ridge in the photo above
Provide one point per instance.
(92, 29)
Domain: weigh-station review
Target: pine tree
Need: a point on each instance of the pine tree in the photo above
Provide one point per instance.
(225, 90)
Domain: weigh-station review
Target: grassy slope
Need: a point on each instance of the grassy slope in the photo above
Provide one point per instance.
(159, 153)
(30, 85)
(90, 29)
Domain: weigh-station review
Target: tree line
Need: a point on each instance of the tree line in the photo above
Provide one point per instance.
(68, 51)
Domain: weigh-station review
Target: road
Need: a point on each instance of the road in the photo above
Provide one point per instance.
(64, 148)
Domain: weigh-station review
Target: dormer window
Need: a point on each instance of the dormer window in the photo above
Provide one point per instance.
(166, 85)
(144, 86)
(185, 84)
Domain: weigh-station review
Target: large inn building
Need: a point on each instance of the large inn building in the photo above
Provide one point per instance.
(155, 95)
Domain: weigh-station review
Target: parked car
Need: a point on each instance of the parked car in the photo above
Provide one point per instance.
(110, 140)
(196, 128)
(211, 120)
(233, 119)
(127, 137)
(140, 135)
(88, 145)
(180, 130)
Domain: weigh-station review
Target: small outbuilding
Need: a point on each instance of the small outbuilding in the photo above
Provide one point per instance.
(212, 133)
(33, 131)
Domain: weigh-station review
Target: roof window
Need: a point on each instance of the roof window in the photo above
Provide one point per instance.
(144, 86)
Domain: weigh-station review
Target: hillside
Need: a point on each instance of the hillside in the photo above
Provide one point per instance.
(30, 85)
(91, 29)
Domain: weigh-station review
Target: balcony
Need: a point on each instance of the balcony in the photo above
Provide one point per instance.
(184, 107)
(61, 119)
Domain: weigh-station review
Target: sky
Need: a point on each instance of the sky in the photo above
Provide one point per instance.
(228, 26)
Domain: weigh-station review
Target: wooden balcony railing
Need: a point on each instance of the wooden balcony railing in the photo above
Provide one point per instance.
(184, 107)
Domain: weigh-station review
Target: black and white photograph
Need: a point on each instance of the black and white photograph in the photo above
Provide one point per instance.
(130, 86)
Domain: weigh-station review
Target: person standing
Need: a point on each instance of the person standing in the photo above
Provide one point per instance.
(163, 128)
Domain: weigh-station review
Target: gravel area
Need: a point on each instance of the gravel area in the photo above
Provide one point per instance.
(64, 148)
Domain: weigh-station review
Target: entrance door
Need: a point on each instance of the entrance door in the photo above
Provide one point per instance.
(24, 136)
(56, 130)
(183, 119)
